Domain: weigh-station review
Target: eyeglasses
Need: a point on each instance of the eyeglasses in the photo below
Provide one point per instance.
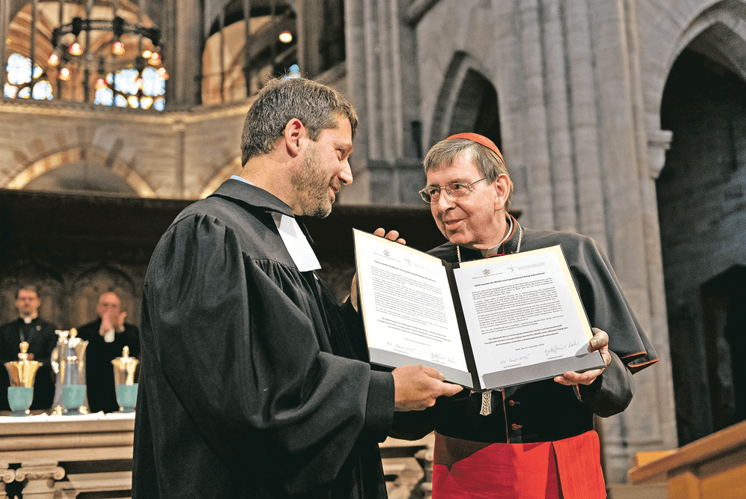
(431, 193)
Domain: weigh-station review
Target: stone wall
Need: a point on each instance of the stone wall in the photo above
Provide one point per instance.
(165, 155)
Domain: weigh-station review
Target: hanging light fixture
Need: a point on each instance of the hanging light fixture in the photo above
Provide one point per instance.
(117, 48)
(116, 26)
(76, 56)
(75, 49)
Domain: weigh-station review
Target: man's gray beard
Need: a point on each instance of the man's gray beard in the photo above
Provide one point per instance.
(312, 186)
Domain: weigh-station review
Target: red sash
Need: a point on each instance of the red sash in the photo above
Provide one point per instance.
(465, 469)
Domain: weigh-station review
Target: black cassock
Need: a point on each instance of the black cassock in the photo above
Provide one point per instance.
(254, 382)
(42, 339)
(99, 371)
(544, 410)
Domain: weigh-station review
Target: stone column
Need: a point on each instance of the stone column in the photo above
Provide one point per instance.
(536, 150)
(6, 476)
(560, 140)
(183, 53)
(39, 477)
(309, 15)
(383, 85)
(4, 22)
(648, 423)
(585, 122)
(658, 383)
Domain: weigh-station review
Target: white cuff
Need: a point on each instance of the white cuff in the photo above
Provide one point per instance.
(109, 336)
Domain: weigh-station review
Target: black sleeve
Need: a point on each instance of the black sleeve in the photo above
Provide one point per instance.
(611, 392)
(607, 307)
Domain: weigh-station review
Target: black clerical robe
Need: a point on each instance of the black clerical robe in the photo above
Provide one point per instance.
(42, 339)
(253, 381)
(99, 371)
(544, 411)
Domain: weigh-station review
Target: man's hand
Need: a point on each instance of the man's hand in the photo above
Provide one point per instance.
(392, 235)
(112, 321)
(600, 342)
(417, 387)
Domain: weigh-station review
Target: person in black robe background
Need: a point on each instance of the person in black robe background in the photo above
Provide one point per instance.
(254, 382)
(106, 336)
(41, 338)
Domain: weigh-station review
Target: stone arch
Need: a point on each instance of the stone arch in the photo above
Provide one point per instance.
(700, 194)
(718, 27)
(33, 169)
(464, 102)
(232, 168)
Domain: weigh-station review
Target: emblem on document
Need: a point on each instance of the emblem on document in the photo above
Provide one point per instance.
(486, 271)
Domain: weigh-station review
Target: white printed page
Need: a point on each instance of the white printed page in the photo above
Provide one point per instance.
(407, 308)
(524, 315)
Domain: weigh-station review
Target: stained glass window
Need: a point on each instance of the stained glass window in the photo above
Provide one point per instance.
(19, 82)
(42, 91)
(123, 88)
(125, 81)
(126, 88)
(10, 91)
(104, 97)
(19, 69)
(153, 84)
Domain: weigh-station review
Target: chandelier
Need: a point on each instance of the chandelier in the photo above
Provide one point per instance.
(113, 61)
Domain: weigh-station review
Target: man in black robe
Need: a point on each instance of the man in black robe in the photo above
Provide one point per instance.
(254, 382)
(536, 439)
(40, 335)
(106, 336)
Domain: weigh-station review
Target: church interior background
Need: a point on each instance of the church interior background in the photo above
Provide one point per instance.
(624, 120)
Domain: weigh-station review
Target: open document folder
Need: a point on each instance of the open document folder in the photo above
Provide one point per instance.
(484, 324)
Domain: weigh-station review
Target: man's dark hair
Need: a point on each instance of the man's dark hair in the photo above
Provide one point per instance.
(26, 288)
(317, 106)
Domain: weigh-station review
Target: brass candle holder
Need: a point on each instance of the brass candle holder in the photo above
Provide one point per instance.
(125, 368)
(22, 373)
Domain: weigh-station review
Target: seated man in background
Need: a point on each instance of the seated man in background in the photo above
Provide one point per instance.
(106, 337)
(534, 440)
(40, 336)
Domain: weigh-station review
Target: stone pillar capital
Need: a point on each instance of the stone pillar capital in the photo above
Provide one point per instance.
(39, 477)
(6, 475)
(659, 141)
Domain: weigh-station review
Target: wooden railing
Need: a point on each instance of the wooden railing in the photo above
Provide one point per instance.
(713, 467)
